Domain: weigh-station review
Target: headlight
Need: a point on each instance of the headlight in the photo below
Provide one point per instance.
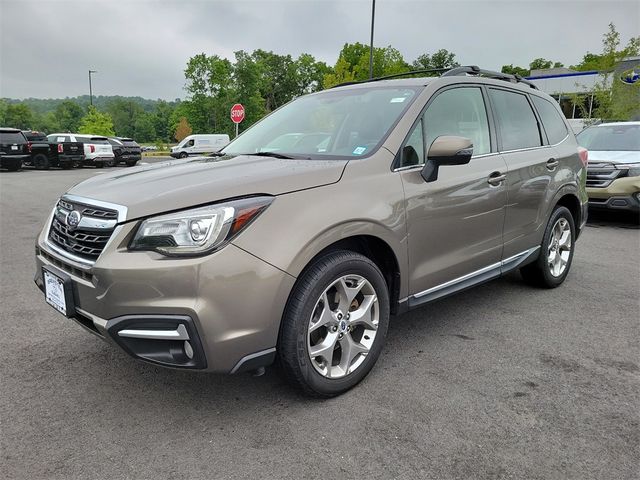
(200, 230)
(633, 169)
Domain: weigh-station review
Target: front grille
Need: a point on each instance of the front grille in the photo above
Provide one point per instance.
(88, 238)
(601, 175)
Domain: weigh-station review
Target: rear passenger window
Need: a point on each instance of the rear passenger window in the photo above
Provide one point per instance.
(552, 122)
(517, 123)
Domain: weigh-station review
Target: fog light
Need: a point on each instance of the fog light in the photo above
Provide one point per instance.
(188, 350)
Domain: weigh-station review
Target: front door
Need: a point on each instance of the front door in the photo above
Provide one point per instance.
(454, 223)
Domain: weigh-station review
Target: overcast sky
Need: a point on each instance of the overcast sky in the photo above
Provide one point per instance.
(140, 47)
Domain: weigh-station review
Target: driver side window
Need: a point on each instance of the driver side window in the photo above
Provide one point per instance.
(460, 112)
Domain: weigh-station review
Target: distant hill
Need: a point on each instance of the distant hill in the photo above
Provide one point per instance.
(45, 105)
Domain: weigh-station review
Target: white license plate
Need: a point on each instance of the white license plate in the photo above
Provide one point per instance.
(54, 292)
(14, 147)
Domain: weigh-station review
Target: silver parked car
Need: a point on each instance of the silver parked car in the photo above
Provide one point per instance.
(408, 190)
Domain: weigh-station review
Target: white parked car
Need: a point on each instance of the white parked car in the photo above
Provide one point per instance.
(97, 149)
(199, 145)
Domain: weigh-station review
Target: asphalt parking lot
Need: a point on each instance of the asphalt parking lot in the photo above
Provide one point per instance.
(503, 381)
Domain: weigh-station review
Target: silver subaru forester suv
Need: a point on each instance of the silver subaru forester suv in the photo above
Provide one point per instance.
(298, 240)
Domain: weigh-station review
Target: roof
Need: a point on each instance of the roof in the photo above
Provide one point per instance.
(10, 130)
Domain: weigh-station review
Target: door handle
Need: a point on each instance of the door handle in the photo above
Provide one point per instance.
(496, 178)
(552, 163)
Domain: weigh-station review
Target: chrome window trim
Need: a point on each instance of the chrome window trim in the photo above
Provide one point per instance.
(90, 202)
(421, 166)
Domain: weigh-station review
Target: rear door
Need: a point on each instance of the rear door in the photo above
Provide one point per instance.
(530, 167)
(455, 223)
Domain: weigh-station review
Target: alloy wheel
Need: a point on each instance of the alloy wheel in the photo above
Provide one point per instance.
(559, 249)
(343, 326)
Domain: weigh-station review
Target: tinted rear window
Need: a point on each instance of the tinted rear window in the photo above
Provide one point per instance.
(12, 137)
(553, 123)
(130, 143)
(517, 122)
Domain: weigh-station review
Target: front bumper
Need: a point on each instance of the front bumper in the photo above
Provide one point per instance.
(621, 194)
(233, 300)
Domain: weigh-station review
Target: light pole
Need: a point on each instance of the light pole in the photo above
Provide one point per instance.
(373, 14)
(90, 90)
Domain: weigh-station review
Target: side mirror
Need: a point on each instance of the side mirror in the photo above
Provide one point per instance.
(446, 150)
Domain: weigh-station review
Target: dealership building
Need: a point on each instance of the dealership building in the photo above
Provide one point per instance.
(570, 87)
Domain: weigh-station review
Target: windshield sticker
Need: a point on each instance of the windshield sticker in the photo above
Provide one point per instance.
(397, 100)
(359, 150)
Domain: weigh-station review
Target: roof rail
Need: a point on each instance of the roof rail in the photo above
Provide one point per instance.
(475, 70)
(395, 75)
(449, 72)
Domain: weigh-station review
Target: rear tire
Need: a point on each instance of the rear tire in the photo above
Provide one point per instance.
(339, 309)
(110, 163)
(132, 164)
(41, 161)
(556, 252)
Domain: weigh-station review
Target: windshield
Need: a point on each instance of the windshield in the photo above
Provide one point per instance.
(334, 123)
(618, 138)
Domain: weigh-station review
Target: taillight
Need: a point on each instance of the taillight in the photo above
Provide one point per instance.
(60, 148)
(584, 155)
(92, 148)
(29, 147)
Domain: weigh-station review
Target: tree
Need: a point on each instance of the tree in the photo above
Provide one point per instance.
(309, 74)
(183, 130)
(18, 115)
(353, 64)
(68, 115)
(514, 70)
(144, 130)
(162, 121)
(96, 123)
(440, 59)
(124, 114)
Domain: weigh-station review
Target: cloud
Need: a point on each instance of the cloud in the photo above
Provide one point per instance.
(140, 47)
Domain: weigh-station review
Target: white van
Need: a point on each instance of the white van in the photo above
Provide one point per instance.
(199, 145)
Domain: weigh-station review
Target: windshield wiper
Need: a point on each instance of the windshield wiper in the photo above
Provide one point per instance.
(271, 154)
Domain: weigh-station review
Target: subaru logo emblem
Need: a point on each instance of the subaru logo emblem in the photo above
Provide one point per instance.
(631, 75)
(73, 219)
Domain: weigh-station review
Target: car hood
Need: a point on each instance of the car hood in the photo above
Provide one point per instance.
(596, 156)
(172, 185)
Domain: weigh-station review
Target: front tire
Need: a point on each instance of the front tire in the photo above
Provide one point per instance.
(556, 252)
(335, 324)
(183, 155)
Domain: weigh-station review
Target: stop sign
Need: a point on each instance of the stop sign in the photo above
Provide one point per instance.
(237, 113)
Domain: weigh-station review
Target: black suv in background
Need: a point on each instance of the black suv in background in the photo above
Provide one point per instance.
(65, 151)
(13, 149)
(44, 154)
(125, 150)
